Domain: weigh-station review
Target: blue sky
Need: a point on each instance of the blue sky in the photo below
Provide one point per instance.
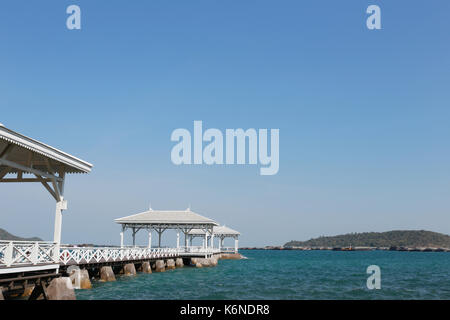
(363, 115)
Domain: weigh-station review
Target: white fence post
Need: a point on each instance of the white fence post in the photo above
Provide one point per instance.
(34, 253)
(9, 254)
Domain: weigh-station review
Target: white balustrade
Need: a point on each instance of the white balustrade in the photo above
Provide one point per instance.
(19, 253)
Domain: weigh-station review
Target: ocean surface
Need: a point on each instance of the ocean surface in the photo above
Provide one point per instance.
(291, 275)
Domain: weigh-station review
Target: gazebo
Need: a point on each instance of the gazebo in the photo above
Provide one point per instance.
(161, 220)
(23, 159)
(220, 232)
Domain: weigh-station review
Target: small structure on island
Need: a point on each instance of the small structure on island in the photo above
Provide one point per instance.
(161, 220)
(221, 232)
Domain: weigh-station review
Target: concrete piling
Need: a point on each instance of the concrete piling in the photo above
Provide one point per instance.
(179, 263)
(129, 269)
(145, 267)
(61, 289)
(160, 266)
(107, 274)
(170, 264)
(80, 278)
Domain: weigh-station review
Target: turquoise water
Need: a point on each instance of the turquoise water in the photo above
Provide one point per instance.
(292, 275)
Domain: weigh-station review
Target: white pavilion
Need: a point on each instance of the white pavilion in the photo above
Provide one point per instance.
(221, 232)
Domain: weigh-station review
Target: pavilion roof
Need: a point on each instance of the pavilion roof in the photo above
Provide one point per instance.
(217, 230)
(25, 152)
(166, 217)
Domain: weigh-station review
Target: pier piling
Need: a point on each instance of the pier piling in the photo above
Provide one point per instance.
(61, 289)
(170, 264)
(107, 274)
(160, 266)
(179, 263)
(145, 267)
(129, 269)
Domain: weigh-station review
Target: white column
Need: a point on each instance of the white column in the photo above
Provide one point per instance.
(212, 241)
(60, 206)
(206, 240)
(121, 239)
(236, 245)
(178, 240)
(58, 224)
(150, 239)
(220, 244)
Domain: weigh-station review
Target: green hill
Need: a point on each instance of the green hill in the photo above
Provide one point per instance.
(5, 235)
(404, 238)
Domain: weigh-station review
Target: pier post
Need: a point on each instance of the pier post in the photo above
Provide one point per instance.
(134, 237)
(236, 246)
(129, 269)
(178, 240)
(121, 239)
(107, 274)
(61, 289)
(150, 239)
(212, 241)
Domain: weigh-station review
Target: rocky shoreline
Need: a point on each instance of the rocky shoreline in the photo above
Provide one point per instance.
(392, 248)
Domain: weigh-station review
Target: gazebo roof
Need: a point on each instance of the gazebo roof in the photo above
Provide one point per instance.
(217, 230)
(27, 155)
(163, 217)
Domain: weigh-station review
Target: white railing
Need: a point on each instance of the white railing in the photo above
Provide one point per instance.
(80, 255)
(20, 253)
(186, 251)
(17, 253)
(228, 250)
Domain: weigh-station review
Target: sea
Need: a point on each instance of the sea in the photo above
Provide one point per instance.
(272, 274)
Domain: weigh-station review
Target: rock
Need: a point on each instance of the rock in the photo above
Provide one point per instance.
(213, 261)
(160, 266)
(231, 256)
(198, 265)
(179, 263)
(107, 274)
(61, 289)
(145, 267)
(129, 269)
(170, 264)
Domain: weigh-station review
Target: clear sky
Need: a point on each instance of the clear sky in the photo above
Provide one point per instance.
(363, 114)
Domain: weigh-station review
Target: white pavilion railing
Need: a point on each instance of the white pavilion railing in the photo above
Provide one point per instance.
(22, 253)
(228, 250)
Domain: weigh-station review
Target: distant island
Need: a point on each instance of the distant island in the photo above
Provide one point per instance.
(397, 240)
(5, 235)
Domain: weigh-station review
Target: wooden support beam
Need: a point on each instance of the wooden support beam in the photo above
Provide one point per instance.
(28, 169)
(14, 180)
(7, 150)
(49, 189)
